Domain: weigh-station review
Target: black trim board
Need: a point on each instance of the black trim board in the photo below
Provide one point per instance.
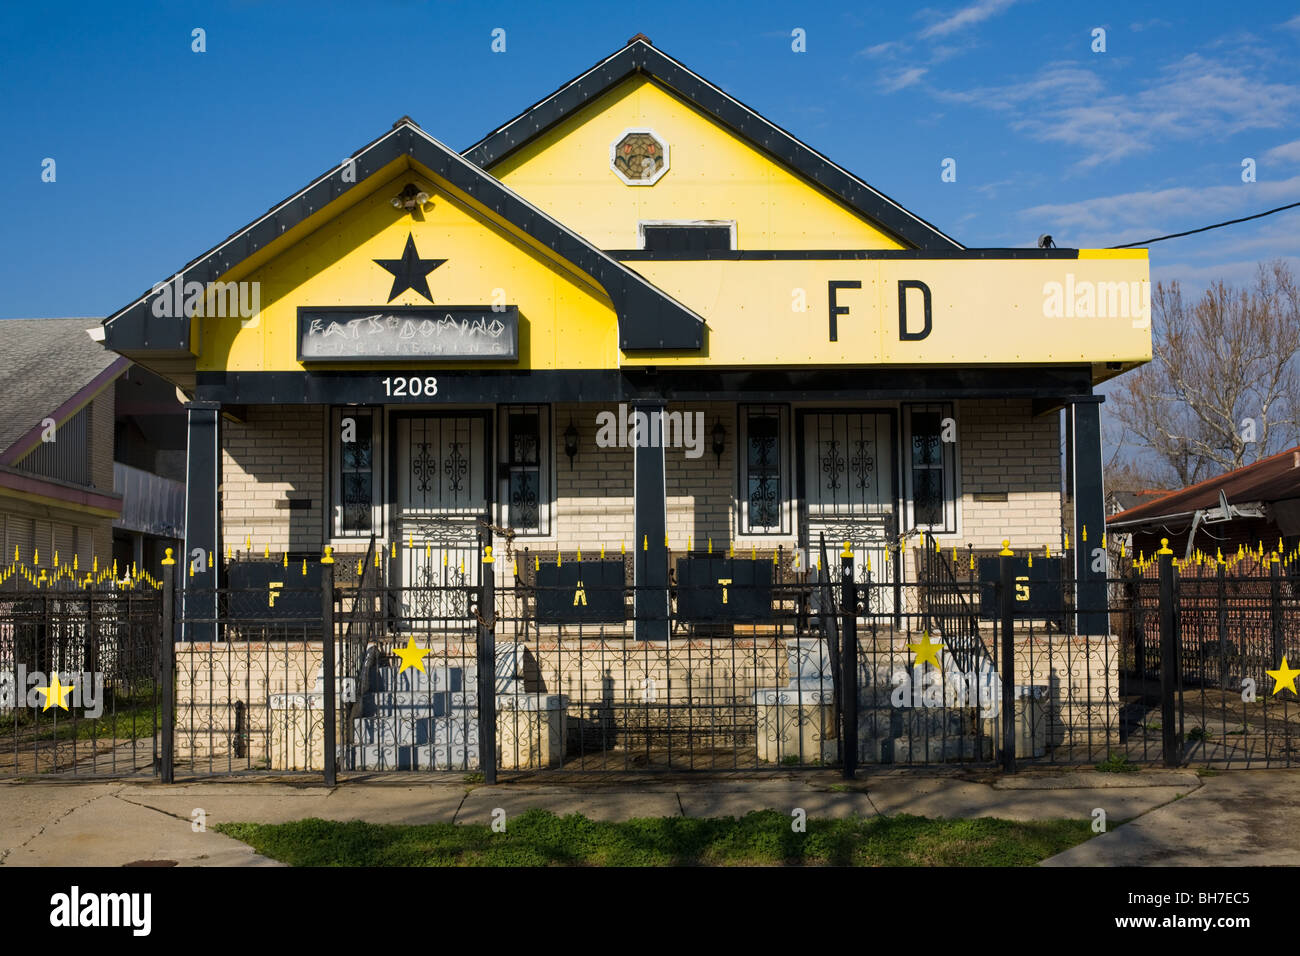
(640, 57)
(770, 255)
(648, 318)
(471, 386)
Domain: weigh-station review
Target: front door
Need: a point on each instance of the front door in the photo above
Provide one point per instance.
(441, 480)
(849, 493)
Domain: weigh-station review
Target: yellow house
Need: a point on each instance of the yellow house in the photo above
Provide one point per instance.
(638, 317)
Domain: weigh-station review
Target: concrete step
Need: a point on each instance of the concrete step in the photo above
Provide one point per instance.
(416, 757)
(445, 678)
(418, 703)
(399, 731)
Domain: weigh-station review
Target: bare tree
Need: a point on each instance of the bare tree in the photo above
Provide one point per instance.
(1221, 388)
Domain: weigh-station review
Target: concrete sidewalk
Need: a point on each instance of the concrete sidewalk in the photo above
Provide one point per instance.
(114, 823)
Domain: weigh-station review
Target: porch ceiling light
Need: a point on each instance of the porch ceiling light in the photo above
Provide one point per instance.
(571, 442)
(719, 440)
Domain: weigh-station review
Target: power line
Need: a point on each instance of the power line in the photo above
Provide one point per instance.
(1217, 225)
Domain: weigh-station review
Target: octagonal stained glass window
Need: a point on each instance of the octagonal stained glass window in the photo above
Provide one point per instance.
(639, 157)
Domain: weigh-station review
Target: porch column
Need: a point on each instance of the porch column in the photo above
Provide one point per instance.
(202, 523)
(650, 519)
(1089, 516)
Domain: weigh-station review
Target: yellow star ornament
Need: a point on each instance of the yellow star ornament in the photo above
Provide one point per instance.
(925, 651)
(412, 656)
(57, 693)
(1283, 677)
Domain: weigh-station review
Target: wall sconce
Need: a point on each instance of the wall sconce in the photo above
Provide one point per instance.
(410, 198)
(719, 440)
(571, 442)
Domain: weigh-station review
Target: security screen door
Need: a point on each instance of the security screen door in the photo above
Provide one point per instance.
(850, 493)
(441, 481)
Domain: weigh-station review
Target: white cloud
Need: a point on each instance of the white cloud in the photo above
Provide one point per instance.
(891, 83)
(977, 12)
(1193, 98)
(1286, 153)
(1135, 216)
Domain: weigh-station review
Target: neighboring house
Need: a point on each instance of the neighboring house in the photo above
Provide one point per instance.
(61, 490)
(1254, 505)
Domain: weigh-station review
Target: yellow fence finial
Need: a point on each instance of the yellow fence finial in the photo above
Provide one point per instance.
(286, 559)
(847, 552)
(167, 560)
(1006, 551)
(304, 566)
(266, 550)
(579, 555)
(487, 554)
(1164, 547)
(710, 545)
(392, 549)
(602, 552)
(328, 557)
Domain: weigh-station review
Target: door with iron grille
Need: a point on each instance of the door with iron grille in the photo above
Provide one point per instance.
(849, 492)
(441, 482)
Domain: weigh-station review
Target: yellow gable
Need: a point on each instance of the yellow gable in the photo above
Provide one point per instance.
(712, 175)
(565, 320)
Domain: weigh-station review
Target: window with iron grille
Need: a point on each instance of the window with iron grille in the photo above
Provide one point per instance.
(355, 453)
(764, 482)
(525, 474)
(931, 467)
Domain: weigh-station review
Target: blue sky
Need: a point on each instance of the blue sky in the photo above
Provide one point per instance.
(162, 152)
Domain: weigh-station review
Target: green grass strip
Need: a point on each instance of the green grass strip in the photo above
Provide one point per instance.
(763, 837)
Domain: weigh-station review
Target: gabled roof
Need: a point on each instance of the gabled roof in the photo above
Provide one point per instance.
(639, 56)
(649, 319)
(1275, 478)
(48, 369)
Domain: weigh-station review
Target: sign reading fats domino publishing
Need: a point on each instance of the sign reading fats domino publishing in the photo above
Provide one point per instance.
(408, 333)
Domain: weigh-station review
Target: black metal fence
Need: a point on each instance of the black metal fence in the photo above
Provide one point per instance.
(537, 662)
(79, 675)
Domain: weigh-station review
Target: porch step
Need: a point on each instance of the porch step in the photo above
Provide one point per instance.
(446, 678)
(403, 731)
(416, 757)
(418, 703)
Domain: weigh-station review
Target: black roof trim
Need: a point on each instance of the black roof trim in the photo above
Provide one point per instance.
(640, 57)
(648, 318)
(649, 255)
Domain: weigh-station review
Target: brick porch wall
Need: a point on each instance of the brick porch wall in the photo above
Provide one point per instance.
(278, 453)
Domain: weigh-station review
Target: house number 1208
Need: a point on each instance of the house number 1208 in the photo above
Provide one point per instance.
(412, 387)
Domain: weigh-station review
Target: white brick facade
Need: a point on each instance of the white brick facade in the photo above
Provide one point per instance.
(280, 453)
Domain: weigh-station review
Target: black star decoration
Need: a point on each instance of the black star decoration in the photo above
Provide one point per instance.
(410, 271)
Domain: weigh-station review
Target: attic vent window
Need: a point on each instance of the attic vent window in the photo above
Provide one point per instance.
(710, 236)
